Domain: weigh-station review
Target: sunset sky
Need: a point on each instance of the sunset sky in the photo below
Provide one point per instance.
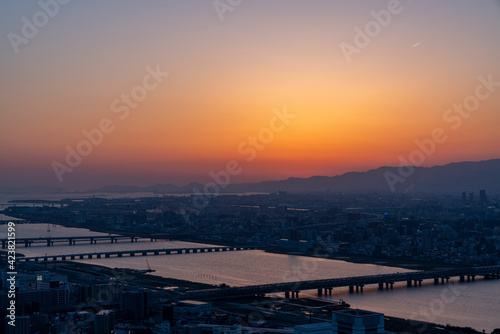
(227, 79)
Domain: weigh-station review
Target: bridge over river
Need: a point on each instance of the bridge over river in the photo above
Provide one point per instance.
(140, 252)
(93, 239)
(293, 288)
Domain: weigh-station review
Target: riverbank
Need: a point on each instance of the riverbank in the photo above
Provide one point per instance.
(399, 325)
(92, 273)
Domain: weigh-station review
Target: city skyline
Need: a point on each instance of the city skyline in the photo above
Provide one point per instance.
(206, 80)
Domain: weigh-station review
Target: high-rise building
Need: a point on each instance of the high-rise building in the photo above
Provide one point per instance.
(104, 322)
(482, 197)
(357, 321)
(22, 325)
(135, 304)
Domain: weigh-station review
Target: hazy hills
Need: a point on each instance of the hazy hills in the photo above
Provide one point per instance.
(468, 176)
(453, 177)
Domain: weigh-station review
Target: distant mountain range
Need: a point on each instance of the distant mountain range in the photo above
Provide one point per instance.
(454, 177)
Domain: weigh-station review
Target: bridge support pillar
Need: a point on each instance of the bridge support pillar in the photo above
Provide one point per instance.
(408, 283)
(462, 278)
(436, 280)
(330, 291)
(473, 277)
(287, 294)
(320, 292)
(381, 286)
(351, 288)
(419, 282)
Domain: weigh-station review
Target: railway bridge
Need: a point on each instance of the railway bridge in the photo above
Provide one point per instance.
(75, 240)
(140, 252)
(292, 289)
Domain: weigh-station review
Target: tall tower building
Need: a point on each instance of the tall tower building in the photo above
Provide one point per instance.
(482, 197)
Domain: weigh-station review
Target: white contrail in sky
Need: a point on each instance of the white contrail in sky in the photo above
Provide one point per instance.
(414, 45)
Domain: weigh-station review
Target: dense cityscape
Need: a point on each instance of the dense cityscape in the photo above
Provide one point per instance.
(450, 229)
(426, 232)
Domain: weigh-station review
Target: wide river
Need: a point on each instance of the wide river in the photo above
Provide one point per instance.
(470, 304)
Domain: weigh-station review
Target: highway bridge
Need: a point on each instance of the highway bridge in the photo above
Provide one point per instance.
(292, 289)
(112, 238)
(141, 252)
(93, 239)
